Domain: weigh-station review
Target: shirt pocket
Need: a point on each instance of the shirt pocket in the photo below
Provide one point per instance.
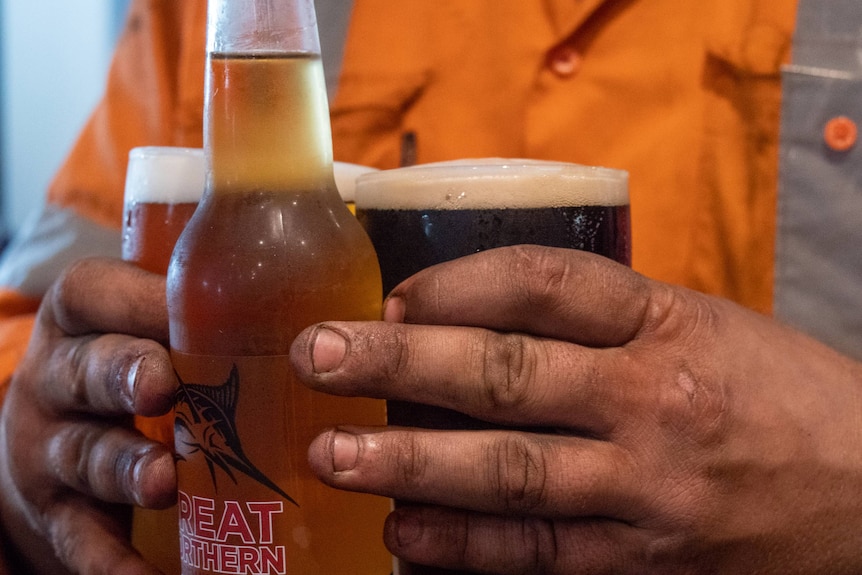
(746, 46)
(368, 118)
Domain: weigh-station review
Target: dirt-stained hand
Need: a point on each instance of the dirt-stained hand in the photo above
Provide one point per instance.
(73, 463)
(692, 435)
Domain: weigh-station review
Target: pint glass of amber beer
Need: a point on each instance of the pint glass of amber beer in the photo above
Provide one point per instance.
(162, 190)
(163, 187)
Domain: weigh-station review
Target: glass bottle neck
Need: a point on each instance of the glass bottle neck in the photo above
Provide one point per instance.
(267, 122)
(266, 125)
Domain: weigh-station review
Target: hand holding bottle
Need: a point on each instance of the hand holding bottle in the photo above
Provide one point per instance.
(73, 464)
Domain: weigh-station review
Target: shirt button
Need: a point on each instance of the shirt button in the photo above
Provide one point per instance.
(840, 134)
(565, 61)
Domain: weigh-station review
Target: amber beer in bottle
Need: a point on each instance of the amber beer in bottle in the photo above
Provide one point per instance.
(270, 250)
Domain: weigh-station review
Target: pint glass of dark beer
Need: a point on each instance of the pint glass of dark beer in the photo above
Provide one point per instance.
(428, 214)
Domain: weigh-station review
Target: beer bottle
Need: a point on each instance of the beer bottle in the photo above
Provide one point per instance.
(270, 250)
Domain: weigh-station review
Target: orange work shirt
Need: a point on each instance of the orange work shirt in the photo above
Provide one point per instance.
(684, 95)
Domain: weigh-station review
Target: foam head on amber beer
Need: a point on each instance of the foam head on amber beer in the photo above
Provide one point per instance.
(492, 183)
(163, 187)
(165, 175)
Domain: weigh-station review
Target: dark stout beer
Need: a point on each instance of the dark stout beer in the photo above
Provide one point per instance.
(424, 215)
(270, 250)
(441, 235)
(428, 214)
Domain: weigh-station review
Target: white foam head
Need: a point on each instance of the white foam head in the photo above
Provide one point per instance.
(492, 183)
(161, 174)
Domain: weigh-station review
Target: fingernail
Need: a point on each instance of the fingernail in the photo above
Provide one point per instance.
(328, 350)
(137, 473)
(132, 380)
(408, 529)
(394, 309)
(151, 473)
(345, 451)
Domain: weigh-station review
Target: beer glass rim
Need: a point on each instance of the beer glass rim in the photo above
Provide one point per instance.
(147, 151)
(492, 183)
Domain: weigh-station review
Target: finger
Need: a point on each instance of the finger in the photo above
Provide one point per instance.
(493, 472)
(112, 464)
(107, 375)
(456, 539)
(550, 292)
(100, 295)
(504, 378)
(91, 540)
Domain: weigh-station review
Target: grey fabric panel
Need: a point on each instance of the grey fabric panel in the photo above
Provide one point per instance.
(818, 279)
(49, 241)
(829, 35)
(819, 246)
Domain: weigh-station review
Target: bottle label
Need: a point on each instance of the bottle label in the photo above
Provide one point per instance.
(237, 451)
(249, 502)
(230, 536)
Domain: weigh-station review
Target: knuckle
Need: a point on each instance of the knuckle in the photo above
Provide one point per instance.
(540, 545)
(112, 469)
(695, 404)
(682, 315)
(98, 371)
(76, 383)
(533, 538)
(701, 408)
(398, 348)
(543, 273)
(411, 460)
(679, 549)
(67, 289)
(388, 345)
(509, 365)
(65, 541)
(518, 472)
(68, 456)
(94, 460)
